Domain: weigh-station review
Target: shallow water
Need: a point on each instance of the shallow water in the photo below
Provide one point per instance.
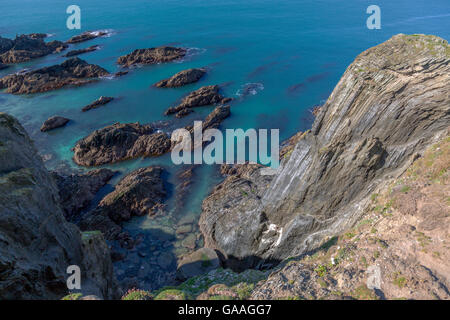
(293, 52)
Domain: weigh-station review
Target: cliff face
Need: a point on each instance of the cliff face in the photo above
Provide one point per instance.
(36, 243)
(391, 102)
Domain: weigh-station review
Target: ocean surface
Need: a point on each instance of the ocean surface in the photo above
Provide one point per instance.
(292, 52)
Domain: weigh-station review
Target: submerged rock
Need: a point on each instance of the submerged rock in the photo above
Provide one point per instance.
(53, 123)
(81, 51)
(197, 263)
(97, 103)
(74, 71)
(204, 96)
(27, 47)
(182, 78)
(391, 103)
(38, 244)
(120, 142)
(77, 191)
(152, 56)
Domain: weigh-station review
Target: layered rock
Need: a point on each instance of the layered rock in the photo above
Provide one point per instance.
(204, 96)
(85, 36)
(37, 243)
(391, 102)
(76, 191)
(74, 72)
(139, 193)
(182, 78)
(120, 142)
(53, 123)
(97, 103)
(152, 56)
(81, 51)
(27, 47)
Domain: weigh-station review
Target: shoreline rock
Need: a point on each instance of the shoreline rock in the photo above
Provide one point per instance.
(182, 78)
(152, 56)
(85, 36)
(97, 103)
(73, 72)
(53, 123)
(81, 51)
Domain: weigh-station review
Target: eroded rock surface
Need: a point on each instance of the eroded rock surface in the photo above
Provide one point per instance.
(74, 72)
(77, 52)
(152, 56)
(389, 105)
(53, 123)
(97, 103)
(85, 36)
(37, 243)
(182, 78)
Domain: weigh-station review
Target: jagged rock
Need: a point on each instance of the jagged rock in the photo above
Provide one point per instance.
(97, 103)
(139, 193)
(120, 142)
(81, 51)
(76, 191)
(197, 263)
(391, 102)
(37, 244)
(53, 123)
(151, 56)
(27, 47)
(73, 71)
(182, 78)
(204, 96)
(85, 36)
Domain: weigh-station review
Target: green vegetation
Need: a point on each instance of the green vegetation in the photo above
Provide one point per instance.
(136, 294)
(399, 281)
(72, 296)
(364, 293)
(321, 270)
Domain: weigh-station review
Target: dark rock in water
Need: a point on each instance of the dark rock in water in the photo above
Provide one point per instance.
(98, 103)
(197, 263)
(390, 104)
(182, 78)
(74, 71)
(165, 260)
(215, 118)
(85, 36)
(38, 244)
(139, 193)
(81, 51)
(120, 73)
(120, 142)
(76, 191)
(53, 123)
(204, 96)
(152, 56)
(3, 66)
(27, 47)
(183, 112)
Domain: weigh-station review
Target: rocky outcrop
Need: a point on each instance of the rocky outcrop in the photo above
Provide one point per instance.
(204, 96)
(152, 56)
(81, 51)
(389, 105)
(73, 72)
(139, 193)
(27, 47)
(37, 244)
(97, 103)
(182, 78)
(85, 36)
(53, 123)
(76, 191)
(120, 142)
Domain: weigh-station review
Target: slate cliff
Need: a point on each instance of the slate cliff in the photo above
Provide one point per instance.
(391, 103)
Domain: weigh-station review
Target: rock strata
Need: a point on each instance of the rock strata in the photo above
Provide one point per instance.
(74, 72)
(53, 123)
(97, 103)
(391, 103)
(152, 56)
(120, 142)
(182, 78)
(27, 47)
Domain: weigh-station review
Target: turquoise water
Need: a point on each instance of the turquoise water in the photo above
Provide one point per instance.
(297, 50)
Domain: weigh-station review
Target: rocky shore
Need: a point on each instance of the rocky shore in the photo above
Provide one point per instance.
(182, 78)
(97, 103)
(72, 72)
(151, 56)
(77, 52)
(85, 36)
(54, 123)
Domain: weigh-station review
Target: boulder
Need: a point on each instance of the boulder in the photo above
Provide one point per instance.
(74, 72)
(85, 36)
(182, 78)
(152, 56)
(97, 103)
(53, 123)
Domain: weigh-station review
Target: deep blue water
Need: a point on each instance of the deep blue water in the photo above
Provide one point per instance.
(297, 50)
